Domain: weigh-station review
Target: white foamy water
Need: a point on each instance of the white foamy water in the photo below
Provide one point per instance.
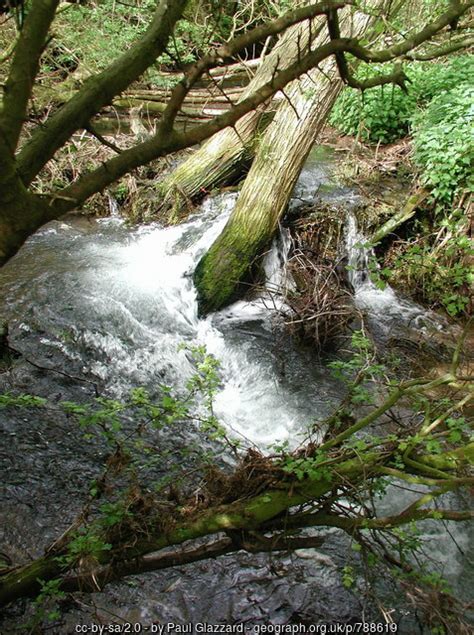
(123, 302)
(385, 304)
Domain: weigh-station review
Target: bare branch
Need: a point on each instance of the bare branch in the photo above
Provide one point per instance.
(442, 50)
(251, 542)
(167, 141)
(98, 91)
(90, 128)
(235, 46)
(396, 77)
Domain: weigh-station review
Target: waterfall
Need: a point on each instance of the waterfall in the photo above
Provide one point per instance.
(114, 209)
(119, 302)
(379, 301)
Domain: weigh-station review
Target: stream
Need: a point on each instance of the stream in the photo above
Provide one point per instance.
(109, 306)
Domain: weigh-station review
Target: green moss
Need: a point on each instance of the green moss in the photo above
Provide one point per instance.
(216, 279)
(227, 264)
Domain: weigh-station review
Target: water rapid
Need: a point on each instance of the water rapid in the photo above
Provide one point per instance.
(388, 313)
(98, 300)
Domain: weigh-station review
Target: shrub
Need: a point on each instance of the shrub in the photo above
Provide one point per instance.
(384, 113)
(436, 267)
(444, 143)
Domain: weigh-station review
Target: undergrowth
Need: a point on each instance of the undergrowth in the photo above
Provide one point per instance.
(433, 259)
(435, 264)
(384, 113)
(444, 143)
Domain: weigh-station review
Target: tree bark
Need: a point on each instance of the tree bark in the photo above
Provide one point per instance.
(270, 182)
(268, 511)
(101, 89)
(227, 154)
(21, 213)
(249, 515)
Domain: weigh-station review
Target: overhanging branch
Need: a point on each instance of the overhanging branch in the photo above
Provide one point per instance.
(24, 68)
(98, 91)
(442, 50)
(166, 141)
(235, 46)
(396, 77)
(252, 543)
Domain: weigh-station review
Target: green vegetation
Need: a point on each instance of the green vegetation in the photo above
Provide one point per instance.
(347, 459)
(26, 150)
(106, 29)
(444, 143)
(385, 113)
(92, 35)
(151, 493)
(435, 263)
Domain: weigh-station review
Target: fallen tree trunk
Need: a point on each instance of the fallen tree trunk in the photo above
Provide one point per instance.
(267, 189)
(273, 506)
(224, 157)
(270, 182)
(407, 212)
(251, 515)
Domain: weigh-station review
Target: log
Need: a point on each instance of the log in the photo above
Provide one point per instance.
(269, 510)
(227, 267)
(271, 505)
(407, 212)
(224, 158)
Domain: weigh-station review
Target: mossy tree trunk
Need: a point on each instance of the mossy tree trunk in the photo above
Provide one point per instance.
(262, 512)
(272, 177)
(228, 153)
(23, 210)
(266, 190)
(267, 512)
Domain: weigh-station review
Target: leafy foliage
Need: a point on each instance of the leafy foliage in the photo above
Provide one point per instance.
(436, 266)
(446, 130)
(384, 113)
(125, 506)
(434, 262)
(107, 29)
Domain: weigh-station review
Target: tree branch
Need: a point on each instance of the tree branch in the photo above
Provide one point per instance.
(90, 128)
(96, 580)
(396, 77)
(166, 142)
(24, 68)
(443, 50)
(98, 91)
(413, 41)
(240, 519)
(163, 143)
(235, 46)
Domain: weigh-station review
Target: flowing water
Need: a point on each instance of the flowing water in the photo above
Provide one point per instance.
(110, 306)
(386, 310)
